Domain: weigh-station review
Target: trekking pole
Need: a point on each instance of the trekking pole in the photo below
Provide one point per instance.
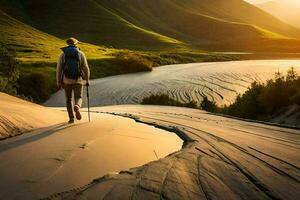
(88, 101)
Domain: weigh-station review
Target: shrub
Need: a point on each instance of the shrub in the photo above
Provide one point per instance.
(129, 63)
(164, 99)
(274, 95)
(247, 105)
(9, 72)
(35, 86)
(191, 104)
(208, 105)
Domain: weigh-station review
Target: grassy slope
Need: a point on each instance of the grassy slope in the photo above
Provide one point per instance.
(25, 39)
(88, 21)
(34, 45)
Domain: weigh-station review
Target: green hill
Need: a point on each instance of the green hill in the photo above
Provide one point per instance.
(26, 39)
(158, 24)
(34, 45)
(210, 24)
(86, 20)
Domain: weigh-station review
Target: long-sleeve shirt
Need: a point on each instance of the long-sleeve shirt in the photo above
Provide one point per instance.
(83, 66)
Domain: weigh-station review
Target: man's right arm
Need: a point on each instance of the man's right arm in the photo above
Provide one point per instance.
(59, 73)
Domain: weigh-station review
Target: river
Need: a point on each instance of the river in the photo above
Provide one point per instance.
(219, 81)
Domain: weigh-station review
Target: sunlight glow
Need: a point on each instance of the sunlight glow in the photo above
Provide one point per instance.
(294, 2)
(257, 1)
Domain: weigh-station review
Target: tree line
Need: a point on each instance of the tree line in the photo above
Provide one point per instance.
(262, 100)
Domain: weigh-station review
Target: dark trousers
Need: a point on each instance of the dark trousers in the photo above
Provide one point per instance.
(78, 90)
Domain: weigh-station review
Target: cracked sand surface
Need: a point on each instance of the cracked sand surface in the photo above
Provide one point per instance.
(222, 159)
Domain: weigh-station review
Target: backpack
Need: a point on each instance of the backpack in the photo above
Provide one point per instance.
(71, 65)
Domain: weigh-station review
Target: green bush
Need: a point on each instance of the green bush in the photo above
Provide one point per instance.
(246, 105)
(129, 63)
(164, 99)
(9, 71)
(274, 96)
(208, 105)
(35, 86)
(191, 104)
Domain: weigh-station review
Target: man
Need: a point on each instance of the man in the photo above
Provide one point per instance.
(71, 74)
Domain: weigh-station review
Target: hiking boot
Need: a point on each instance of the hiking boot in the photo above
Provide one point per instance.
(77, 113)
(71, 121)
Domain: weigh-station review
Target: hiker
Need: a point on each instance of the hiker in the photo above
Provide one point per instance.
(71, 74)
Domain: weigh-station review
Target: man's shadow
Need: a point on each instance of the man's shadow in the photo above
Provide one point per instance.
(31, 137)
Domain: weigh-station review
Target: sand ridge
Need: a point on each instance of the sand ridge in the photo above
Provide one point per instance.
(18, 116)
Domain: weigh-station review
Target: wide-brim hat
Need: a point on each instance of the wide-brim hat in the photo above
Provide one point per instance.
(72, 41)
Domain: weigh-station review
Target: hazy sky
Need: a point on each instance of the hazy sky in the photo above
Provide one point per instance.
(288, 2)
(257, 1)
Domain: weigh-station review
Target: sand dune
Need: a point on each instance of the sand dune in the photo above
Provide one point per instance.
(18, 116)
(61, 157)
(222, 159)
(219, 81)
